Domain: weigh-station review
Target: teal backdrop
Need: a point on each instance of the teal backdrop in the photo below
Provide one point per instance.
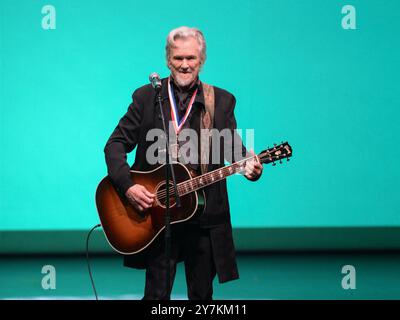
(296, 73)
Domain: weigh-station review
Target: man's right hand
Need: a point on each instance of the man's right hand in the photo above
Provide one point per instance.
(139, 197)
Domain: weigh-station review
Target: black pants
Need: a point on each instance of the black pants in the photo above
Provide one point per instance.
(191, 244)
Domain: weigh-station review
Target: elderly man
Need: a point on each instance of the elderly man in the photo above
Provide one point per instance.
(205, 244)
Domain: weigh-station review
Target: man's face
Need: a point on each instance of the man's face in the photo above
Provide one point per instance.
(184, 61)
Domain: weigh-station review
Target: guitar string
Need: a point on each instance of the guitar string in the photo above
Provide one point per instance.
(193, 183)
(209, 177)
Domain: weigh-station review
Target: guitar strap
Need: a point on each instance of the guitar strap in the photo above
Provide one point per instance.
(206, 122)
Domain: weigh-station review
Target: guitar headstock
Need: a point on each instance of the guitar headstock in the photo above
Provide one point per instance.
(277, 153)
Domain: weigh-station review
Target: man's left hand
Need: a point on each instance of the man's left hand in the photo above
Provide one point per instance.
(253, 169)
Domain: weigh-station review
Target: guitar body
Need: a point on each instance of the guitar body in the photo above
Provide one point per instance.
(129, 231)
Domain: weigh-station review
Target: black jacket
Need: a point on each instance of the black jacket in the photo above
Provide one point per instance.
(143, 115)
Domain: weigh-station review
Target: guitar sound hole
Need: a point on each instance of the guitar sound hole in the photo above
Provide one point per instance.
(161, 197)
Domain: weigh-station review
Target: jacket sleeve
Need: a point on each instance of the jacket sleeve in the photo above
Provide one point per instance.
(122, 141)
(238, 150)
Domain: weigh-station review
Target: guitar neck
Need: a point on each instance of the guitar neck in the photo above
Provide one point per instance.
(284, 150)
(211, 177)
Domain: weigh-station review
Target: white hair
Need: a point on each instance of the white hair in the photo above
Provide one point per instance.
(183, 33)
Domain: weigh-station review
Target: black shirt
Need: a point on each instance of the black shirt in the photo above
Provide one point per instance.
(182, 99)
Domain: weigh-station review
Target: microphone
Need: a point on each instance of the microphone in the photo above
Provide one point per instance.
(155, 81)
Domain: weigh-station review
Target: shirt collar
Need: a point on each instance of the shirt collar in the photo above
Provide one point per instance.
(199, 96)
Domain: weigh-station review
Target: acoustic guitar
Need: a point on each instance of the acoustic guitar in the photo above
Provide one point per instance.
(130, 232)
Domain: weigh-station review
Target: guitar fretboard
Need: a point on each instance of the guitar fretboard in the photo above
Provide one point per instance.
(211, 177)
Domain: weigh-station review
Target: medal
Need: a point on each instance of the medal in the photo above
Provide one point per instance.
(178, 124)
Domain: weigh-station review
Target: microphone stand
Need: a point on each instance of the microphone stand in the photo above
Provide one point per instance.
(168, 167)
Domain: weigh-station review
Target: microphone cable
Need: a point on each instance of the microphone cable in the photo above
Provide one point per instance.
(87, 258)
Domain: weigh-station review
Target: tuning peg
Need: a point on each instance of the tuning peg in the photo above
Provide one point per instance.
(273, 164)
(287, 159)
(280, 161)
(274, 144)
